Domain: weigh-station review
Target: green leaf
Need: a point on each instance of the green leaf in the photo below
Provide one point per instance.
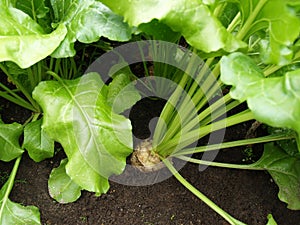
(279, 20)
(34, 8)
(229, 12)
(37, 142)
(121, 93)
(86, 22)
(289, 145)
(285, 171)
(19, 75)
(9, 141)
(60, 185)
(22, 40)
(95, 139)
(159, 31)
(274, 101)
(191, 18)
(271, 220)
(14, 213)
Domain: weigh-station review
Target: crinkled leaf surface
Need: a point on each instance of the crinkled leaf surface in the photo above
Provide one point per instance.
(22, 40)
(9, 141)
(191, 18)
(285, 171)
(121, 93)
(274, 101)
(60, 185)
(14, 213)
(38, 144)
(95, 139)
(87, 21)
(278, 18)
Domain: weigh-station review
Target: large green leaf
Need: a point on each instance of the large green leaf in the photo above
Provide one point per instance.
(285, 171)
(14, 213)
(95, 139)
(37, 142)
(87, 21)
(191, 18)
(22, 40)
(60, 185)
(274, 101)
(9, 141)
(278, 19)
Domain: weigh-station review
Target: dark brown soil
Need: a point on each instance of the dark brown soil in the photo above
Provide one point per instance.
(247, 195)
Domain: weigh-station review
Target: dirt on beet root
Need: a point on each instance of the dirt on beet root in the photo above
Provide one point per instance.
(247, 195)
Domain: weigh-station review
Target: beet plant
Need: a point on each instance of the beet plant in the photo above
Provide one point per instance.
(248, 46)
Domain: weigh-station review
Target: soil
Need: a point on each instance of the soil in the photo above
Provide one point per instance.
(247, 195)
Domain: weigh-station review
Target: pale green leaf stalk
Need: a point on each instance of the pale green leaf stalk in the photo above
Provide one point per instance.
(14, 213)
(284, 169)
(201, 196)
